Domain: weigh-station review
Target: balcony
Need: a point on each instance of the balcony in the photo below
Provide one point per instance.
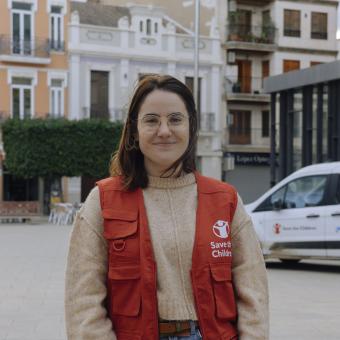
(254, 2)
(251, 38)
(245, 89)
(207, 122)
(241, 136)
(35, 51)
(56, 45)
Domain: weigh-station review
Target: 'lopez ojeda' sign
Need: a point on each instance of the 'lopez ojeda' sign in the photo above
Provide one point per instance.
(243, 158)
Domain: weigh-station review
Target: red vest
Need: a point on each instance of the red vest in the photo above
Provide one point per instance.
(131, 281)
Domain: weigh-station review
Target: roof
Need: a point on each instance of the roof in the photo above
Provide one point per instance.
(100, 15)
(308, 76)
(321, 168)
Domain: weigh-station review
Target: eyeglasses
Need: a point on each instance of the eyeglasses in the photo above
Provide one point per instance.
(152, 121)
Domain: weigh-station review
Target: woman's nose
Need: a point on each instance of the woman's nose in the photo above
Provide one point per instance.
(163, 129)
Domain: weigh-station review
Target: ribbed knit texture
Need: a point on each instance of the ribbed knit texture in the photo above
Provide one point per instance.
(171, 210)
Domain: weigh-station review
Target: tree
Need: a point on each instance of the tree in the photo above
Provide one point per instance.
(52, 148)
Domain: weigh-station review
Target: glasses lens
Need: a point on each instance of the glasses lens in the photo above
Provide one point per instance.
(174, 120)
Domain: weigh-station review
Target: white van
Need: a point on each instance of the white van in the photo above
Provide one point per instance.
(299, 217)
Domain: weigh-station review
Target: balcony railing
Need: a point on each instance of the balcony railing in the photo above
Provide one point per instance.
(56, 45)
(240, 135)
(253, 85)
(251, 34)
(291, 33)
(36, 47)
(319, 35)
(207, 122)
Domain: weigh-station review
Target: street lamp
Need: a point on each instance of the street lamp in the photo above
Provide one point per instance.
(196, 52)
(196, 45)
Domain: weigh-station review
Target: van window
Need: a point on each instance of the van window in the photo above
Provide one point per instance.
(305, 192)
(268, 203)
(300, 193)
(337, 195)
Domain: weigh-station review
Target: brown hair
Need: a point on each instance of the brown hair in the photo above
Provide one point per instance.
(129, 160)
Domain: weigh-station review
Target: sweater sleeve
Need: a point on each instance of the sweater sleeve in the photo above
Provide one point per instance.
(85, 285)
(249, 278)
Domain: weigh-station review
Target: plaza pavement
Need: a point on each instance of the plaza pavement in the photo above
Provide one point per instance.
(305, 300)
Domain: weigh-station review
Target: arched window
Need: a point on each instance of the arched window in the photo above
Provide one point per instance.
(156, 27)
(148, 27)
(141, 26)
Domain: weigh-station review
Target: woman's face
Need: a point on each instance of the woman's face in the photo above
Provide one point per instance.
(163, 130)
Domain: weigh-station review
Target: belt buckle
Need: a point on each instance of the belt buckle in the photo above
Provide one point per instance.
(178, 327)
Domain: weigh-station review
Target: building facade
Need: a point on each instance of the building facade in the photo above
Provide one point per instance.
(265, 38)
(306, 106)
(112, 47)
(33, 81)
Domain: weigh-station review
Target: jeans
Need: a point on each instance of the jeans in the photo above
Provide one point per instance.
(195, 334)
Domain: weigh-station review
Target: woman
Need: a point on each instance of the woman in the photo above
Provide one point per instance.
(159, 251)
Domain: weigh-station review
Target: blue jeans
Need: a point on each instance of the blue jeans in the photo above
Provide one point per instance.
(195, 334)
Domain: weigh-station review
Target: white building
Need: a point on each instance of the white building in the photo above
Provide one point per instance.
(266, 37)
(111, 47)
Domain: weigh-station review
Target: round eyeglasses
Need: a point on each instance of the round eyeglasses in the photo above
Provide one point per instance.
(152, 121)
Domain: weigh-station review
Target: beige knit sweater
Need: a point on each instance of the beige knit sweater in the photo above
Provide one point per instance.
(171, 209)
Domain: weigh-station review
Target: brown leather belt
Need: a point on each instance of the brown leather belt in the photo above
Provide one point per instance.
(180, 328)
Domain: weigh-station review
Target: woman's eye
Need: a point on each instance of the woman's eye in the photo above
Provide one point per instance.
(175, 120)
(151, 121)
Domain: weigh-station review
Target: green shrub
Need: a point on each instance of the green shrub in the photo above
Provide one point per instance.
(59, 147)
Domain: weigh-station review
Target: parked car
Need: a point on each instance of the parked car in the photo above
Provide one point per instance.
(299, 218)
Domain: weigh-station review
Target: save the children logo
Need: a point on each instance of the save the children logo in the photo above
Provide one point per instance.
(277, 228)
(221, 229)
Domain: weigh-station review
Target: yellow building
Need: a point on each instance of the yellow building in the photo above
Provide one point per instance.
(33, 79)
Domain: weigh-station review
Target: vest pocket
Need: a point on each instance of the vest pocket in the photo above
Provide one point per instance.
(223, 291)
(125, 290)
(121, 232)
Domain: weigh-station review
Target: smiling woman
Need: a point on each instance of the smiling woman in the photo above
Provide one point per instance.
(157, 247)
(163, 131)
(160, 136)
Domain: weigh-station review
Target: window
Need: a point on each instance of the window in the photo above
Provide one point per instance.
(292, 23)
(300, 193)
(265, 70)
(99, 94)
(266, 21)
(337, 194)
(141, 26)
(21, 6)
(291, 65)
(244, 24)
(21, 97)
(319, 26)
(56, 98)
(148, 27)
(22, 40)
(305, 192)
(239, 131)
(265, 123)
(56, 29)
(276, 197)
(20, 189)
(156, 27)
(244, 75)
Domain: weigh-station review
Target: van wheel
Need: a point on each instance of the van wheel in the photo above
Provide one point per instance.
(290, 261)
